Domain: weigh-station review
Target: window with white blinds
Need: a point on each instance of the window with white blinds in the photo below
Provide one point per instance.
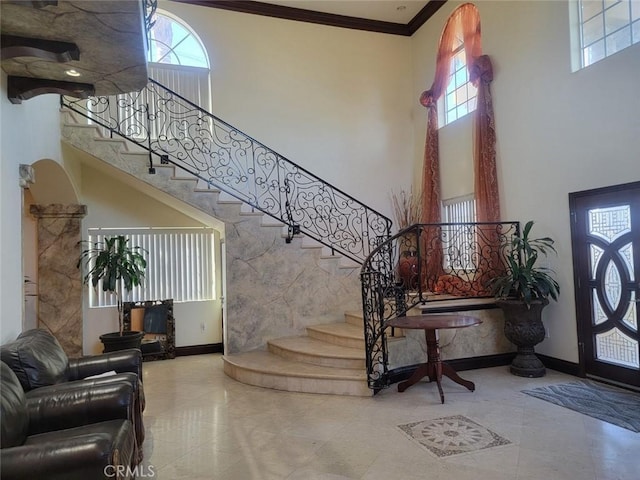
(191, 83)
(459, 245)
(180, 265)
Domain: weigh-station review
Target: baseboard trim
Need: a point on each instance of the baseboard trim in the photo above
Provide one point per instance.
(459, 364)
(199, 349)
(560, 365)
(485, 361)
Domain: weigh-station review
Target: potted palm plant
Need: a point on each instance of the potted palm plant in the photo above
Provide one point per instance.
(117, 265)
(522, 292)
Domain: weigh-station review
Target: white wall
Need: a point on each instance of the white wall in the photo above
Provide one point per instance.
(557, 132)
(28, 132)
(333, 100)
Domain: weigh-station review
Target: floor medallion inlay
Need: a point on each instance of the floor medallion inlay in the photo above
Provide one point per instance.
(452, 435)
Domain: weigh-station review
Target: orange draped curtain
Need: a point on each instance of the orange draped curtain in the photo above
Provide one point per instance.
(466, 20)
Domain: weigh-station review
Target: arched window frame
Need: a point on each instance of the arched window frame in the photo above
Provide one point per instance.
(172, 53)
(181, 74)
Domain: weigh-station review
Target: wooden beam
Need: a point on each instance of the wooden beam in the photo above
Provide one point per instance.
(52, 50)
(33, 3)
(24, 88)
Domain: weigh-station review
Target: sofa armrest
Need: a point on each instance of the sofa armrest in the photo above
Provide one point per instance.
(65, 406)
(76, 458)
(129, 360)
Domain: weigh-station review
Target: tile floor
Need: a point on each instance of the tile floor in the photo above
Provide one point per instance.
(202, 425)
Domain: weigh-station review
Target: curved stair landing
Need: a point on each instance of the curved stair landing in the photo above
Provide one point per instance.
(332, 364)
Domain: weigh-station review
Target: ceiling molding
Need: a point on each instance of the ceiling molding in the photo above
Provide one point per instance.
(423, 15)
(310, 16)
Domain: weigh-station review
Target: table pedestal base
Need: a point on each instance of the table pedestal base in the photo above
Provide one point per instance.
(435, 368)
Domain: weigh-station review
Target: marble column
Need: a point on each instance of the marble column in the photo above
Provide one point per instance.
(59, 280)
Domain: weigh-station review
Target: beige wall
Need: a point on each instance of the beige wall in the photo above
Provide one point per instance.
(558, 132)
(112, 203)
(332, 100)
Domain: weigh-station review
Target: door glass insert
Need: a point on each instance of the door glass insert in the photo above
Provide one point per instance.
(596, 253)
(612, 285)
(610, 223)
(627, 255)
(598, 314)
(631, 317)
(614, 346)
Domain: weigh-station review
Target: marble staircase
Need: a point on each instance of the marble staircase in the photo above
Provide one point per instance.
(330, 359)
(327, 357)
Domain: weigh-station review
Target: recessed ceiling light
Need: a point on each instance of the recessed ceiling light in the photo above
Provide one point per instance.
(72, 73)
(401, 7)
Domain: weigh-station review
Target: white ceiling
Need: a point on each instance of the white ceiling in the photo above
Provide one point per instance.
(384, 10)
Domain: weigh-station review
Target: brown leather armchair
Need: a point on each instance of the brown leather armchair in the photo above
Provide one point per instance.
(69, 434)
(39, 362)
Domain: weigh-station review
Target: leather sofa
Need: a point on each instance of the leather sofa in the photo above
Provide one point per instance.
(38, 361)
(69, 434)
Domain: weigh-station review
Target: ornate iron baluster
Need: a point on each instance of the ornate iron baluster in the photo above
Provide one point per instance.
(183, 134)
(394, 280)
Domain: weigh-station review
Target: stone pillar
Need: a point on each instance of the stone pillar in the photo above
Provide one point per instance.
(59, 280)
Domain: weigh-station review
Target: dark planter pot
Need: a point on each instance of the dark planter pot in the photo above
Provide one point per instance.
(408, 270)
(524, 328)
(114, 341)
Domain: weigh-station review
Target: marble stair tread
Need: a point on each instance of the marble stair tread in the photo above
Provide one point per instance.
(317, 352)
(264, 369)
(354, 318)
(343, 333)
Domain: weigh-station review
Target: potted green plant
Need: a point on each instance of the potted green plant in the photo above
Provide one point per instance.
(117, 265)
(522, 292)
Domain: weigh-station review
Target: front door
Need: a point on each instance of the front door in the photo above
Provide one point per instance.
(605, 232)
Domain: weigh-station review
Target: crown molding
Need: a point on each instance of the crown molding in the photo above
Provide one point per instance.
(309, 16)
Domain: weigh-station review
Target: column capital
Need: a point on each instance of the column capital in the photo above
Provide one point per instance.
(58, 210)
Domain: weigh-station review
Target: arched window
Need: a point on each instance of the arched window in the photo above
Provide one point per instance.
(178, 59)
(461, 34)
(172, 42)
(460, 96)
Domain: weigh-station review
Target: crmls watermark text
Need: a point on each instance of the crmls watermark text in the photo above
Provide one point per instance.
(123, 471)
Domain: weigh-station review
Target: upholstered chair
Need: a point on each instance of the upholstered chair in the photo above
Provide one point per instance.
(68, 434)
(39, 361)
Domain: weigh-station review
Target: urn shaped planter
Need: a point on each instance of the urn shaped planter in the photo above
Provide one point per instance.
(524, 328)
(113, 342)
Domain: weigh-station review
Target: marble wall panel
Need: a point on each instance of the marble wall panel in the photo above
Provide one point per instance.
(59, 280)
(275, 289)
(484, 339)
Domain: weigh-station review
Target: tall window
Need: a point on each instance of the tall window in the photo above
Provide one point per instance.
(180, 265)
(459, 244)
(460, 95)
(606, 27)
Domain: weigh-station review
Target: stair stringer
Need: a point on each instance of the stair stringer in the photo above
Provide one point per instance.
(274, 289)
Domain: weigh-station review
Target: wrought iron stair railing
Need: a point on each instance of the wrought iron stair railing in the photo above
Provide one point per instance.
(426, 263)
(183, 134)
